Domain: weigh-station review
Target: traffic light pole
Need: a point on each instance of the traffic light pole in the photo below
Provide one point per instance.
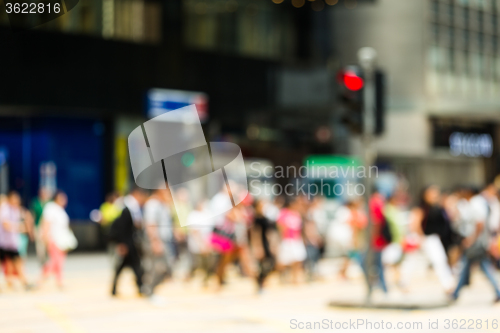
(367, 57)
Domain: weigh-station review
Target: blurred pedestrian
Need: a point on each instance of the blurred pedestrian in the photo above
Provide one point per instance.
(200, 226)
(317, 213)
(109, 212)
(493, 222)
(37, 206)
(451, 202)
(313, 240)
(380, 238)
(223, 241)
(394, 219)
(181, 207)
(26, 232)
(357, 220)
(12, 224)
(476, 242)
(57, 236)
(392, 256)
(432, 225)
(126, 233)
(264, 243)
(245, 212)
(292, 251)
(158, 258)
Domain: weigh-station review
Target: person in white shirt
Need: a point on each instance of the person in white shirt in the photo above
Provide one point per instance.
(159, 255)
(57, 236)
(200, 227)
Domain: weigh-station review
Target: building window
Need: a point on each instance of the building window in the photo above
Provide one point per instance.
(451, 61)
(247, 27)
(465, 41)
(435, 10)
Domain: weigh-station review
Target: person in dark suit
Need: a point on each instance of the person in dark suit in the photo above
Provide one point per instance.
(125, 232)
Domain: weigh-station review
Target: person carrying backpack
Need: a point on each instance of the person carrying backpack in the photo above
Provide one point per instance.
(380, 238)
(476, 242)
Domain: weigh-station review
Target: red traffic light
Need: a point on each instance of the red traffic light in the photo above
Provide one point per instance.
(352, 81)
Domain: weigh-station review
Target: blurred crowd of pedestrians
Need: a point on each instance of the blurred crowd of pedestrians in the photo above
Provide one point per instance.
(46, 224)
(286, 236)
(260, 236)
(289, 235)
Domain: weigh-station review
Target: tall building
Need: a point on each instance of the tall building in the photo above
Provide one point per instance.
(442, 62)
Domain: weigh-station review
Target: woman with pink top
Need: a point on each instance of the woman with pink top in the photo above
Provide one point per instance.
(292, 251)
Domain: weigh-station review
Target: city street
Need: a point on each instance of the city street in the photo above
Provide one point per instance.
(85, 305)
(277, 132)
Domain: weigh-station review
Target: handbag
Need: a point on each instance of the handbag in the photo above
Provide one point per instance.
(65, 240)
(223, 238)
(475, 251)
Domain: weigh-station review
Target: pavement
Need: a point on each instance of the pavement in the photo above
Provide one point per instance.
(85, 305)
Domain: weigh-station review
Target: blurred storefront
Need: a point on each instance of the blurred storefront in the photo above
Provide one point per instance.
(448, 151)
(76, 86)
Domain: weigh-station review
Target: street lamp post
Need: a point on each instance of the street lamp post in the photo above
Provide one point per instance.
(367, 57)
